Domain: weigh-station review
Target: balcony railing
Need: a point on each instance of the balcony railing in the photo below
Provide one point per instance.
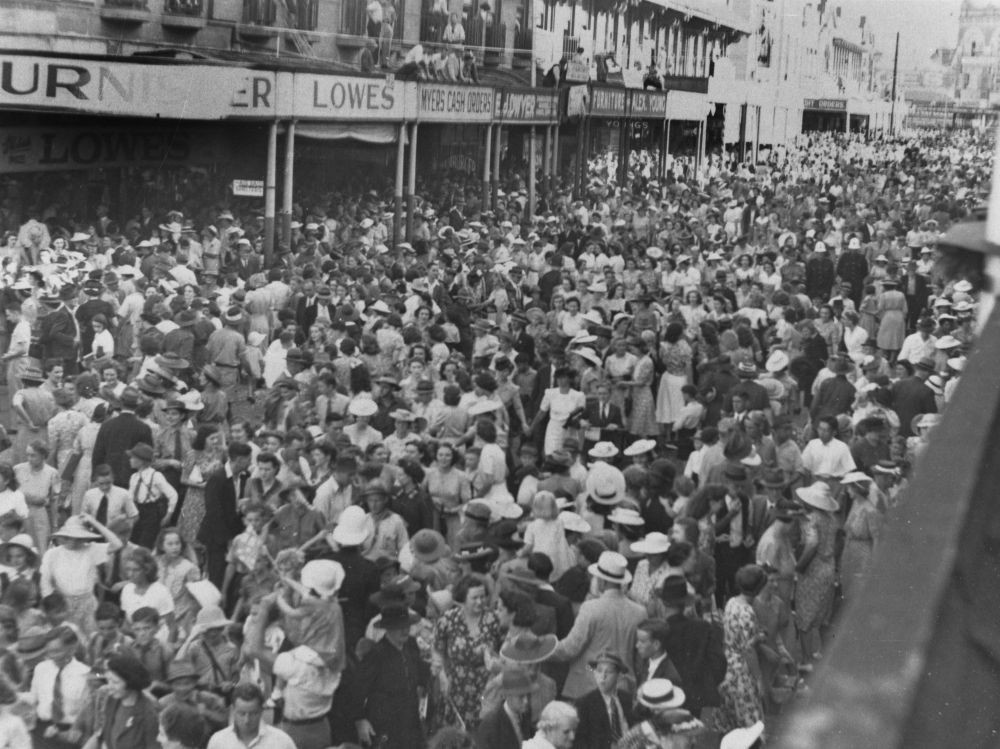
(184, 7)
(130, 4)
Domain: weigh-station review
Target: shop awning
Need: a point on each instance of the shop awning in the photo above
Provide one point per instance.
(687, 105)
(365, 132)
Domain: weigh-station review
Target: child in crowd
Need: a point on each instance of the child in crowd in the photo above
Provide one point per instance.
(149, 649)
(245, 550)
(176, 569)
(545, 534)
(109, 639)
(19, 560)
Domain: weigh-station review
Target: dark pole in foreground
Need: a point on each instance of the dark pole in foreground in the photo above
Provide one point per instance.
(895, 69)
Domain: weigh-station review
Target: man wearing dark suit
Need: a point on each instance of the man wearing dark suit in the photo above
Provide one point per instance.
(119, 434)
(307, 308)
(509, 725)
(58, 333)
(651, 647)
(600, 415)
(911, 396)
(90, 309)
(606, 712)
(222, 521)
(695, 647)
(247, 264)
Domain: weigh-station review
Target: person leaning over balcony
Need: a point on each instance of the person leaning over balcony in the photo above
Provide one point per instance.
(374, 11)
(454, 32)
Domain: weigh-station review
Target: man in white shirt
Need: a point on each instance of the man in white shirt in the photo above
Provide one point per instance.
(919, 345)
(826, 457)
(247, 729)
(651, 647)
(107, 502)
(59, 689)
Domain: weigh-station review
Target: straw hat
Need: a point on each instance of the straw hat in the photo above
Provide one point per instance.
(640, 447)
(818, 496)
(528, 647)
(428, 546)
(210, 617)
(22, 541)
(603, 451)
(612, 567)
(626, 516)
(605, 484)
(573, 522)
(362, 407)
(660, 694)
(743, 738)
(321, 578)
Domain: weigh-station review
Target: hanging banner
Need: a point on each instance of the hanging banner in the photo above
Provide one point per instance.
(454, 104)
(189, 92)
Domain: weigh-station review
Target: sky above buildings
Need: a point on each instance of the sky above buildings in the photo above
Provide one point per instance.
(923, 25)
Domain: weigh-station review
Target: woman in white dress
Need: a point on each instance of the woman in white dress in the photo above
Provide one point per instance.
(560, 403)
(83, 445)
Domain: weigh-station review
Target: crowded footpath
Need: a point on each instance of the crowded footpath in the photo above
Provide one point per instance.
(601, 477)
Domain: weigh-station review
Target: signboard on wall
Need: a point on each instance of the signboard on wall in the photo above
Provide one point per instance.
(607, 102)
(40, 149)
(333, 97)
(191, 92)
(577, 72)
(826, 105)
(526, 106)
(248, 188)
(443, 103)
(647, 105)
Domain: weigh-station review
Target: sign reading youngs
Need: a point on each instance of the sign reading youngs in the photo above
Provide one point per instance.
(192, 92)
(332, 97)
(437, 103)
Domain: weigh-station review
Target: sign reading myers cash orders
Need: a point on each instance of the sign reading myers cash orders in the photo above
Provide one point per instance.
(437, 103)
(191, 92)
(526, 106)
(331, 97)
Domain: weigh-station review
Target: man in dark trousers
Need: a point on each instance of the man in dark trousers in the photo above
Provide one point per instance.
(605, 713)
(222, 521)
(118, 435)
(598, 416)
(695, 647)
(59, 332)
(90, 309)
(388, 682)
(508, 725)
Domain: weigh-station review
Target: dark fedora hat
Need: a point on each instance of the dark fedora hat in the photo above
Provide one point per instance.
(674, 591)
(396, 616)
(606, 656)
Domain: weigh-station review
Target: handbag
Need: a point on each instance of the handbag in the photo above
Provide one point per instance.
(69, 470)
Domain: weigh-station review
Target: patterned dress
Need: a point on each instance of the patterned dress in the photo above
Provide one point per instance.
(464, 662)
(193, 510)
(861, 529)
(815, 589)
(642, 419)
(676, 358)
(742, 701)
(63, 428)
(84, 443)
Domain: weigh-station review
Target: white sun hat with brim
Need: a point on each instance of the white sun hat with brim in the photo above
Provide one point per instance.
(660, 694)
(603, 451)
(573, 522)
(626, 516)
(640, 447)
(352, 527)
(856, 477)
(743, 738)
(605, 484)
(362, 407)
(612, 567)
(818, 496)
(653, 543)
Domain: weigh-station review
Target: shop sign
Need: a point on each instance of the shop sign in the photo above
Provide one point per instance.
(34, 149)
(522, 106)
(248, 188)
(607, 102)
(826, 105)
(191, 92)
(331, 97)
(648, 105)
(454, 104)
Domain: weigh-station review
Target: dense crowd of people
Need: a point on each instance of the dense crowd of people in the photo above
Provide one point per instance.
(597, 477)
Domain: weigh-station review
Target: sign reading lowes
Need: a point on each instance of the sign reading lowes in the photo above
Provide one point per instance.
(647, 105)
(607, 102)
(525, 106)
(346, 98)
(437, 103)
(826, 105)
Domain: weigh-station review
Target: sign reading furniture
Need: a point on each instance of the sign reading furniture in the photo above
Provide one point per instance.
(193, 92)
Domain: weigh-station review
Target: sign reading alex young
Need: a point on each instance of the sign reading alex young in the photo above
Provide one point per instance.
(191, 92)
(437, 103)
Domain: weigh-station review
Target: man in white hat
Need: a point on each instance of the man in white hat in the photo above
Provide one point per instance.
(605, 623)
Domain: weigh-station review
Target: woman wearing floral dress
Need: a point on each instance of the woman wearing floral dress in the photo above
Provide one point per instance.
(642, 416)
(63, 429)
(467, 639)
(207, 458)
(814, 592)
(741, 693)
(861, 531)
(676, 355)
(83, 443)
